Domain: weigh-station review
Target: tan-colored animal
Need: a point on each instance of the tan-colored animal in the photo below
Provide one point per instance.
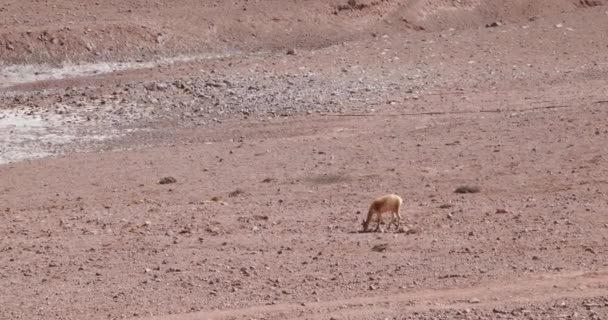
(387, 203)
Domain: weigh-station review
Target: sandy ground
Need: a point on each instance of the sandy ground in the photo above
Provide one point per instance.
(276, 155)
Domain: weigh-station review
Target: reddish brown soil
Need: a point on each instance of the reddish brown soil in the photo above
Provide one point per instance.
(51, 31)
(276, 158)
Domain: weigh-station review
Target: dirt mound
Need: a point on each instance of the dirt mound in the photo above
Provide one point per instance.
(460, 14)
(111, 30)
(67, 43)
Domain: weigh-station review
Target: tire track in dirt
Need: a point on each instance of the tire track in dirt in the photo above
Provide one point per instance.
(542, 288)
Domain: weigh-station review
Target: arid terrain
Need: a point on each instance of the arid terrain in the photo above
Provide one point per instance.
(181, 160)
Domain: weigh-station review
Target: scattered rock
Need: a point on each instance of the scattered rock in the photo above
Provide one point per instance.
(291, 52)
(590, 305)
(214, 84)
(467, 189)
(409, 231)
(215, 199)
(185, 230)
(590, 250)
(236, 193)
(380, 247)
(167, 180)
(494, 24)
(161, 86)
(474, 300)
(153, 86)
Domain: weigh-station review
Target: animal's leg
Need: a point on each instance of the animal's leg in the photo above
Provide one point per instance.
(379, 215)
(368, 221)
(392, 221)
(398, 219)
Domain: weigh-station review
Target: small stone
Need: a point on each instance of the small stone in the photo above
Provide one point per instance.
(590, 250)
(411, 231)
(150, 86)
(474, 300)
(167, 180)
(162, 86)
(380, 247)
(494, 24)
(236, 193)
(291, 52)
(467, 189)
